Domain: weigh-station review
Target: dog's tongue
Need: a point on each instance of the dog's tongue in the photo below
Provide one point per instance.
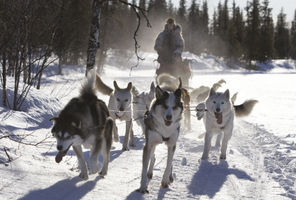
(60, 155)
(218, 117)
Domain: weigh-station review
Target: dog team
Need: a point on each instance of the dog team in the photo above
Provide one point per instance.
(88, 121)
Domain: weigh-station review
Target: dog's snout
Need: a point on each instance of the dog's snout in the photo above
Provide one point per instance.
(218, 109)
(59, 147)
(169, 117)
(121, 109)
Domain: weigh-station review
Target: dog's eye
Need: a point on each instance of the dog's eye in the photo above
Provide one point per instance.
(126, 100)
(165, 106)
(118, 99)
(222, 102)
(214, 102)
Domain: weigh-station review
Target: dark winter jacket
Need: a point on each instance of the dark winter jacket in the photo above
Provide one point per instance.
(169, 44)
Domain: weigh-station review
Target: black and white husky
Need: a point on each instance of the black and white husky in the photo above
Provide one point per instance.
(85, 121)
(162, 124)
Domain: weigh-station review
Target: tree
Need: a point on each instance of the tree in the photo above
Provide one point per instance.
(266, 45)
(293, 38)
(252, 30)
(282, 41)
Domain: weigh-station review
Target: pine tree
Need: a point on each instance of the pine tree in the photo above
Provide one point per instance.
(293, 38)
(142, 4)
(171, 8)
(252, 30)
(182, 12)
(266, 45)
(282, 36)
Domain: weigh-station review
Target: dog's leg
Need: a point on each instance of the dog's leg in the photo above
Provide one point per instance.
(94, 157)
(115, 132)
(207, 145)
(78, 151)
(168, 170)
(106, 147)
(132, 140)
(218, 140)
(126, 136)
(226, 138)
(146, 157)
(151, 165)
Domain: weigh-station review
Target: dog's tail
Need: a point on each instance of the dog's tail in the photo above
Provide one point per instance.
(102, 87)
(245, 108)
(87, 91)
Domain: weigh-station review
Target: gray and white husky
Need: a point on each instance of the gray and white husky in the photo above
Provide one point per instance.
(162, 124)
(141, 104)
(120, 107)
(85, 121)
(218, 113)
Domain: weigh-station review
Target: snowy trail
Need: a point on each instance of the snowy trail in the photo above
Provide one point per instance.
(252, 154)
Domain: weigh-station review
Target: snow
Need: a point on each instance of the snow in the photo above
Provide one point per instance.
(261, 157)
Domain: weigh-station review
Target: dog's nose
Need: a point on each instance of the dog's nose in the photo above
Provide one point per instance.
(169, 117)
(59, 147)
(218, 109)
(121, 109)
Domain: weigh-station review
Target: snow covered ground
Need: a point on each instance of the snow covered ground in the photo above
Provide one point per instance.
(261, 162)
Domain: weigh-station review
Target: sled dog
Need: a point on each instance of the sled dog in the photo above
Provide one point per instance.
(167, 79)
(85, 121)
(141, 104)
(162, 124)
(120, 107)
(218, 114)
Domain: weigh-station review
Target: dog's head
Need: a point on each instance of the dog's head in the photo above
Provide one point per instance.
(168, 106)
(123, 97)
(218, 103)
(67, 133)
(144, 99)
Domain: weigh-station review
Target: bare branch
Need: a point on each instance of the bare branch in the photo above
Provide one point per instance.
(137, 10)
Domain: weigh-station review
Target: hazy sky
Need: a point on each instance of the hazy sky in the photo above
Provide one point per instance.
(289, 6)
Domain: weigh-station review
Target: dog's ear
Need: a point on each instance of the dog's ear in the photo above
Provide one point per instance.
(178, 93)
(158, 92)
(212, 92)
(180, 83)
(129, 86)
(226, 94)
(115, 85)
(152, 86)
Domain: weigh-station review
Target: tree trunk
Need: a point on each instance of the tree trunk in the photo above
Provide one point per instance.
(4, 97)
(93, 42)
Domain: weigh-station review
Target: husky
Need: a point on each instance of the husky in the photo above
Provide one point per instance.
(162, 124)
(167, 79)
(85, 121)
(218, 113)
(120, 107)
(141, 104)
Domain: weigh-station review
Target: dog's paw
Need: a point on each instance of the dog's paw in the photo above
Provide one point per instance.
(150, 175)
(144, 190)
(165, 184)
(103, 173)
(93, 169)
(223, 157)
(125, 148)
(83, 175)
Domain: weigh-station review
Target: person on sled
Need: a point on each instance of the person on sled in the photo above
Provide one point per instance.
(169, 45)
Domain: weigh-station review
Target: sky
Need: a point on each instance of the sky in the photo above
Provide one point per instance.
(289, 6)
